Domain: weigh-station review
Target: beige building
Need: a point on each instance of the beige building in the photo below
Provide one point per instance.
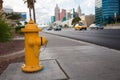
(87, 20)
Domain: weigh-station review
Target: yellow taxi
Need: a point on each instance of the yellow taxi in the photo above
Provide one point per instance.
(80, 27)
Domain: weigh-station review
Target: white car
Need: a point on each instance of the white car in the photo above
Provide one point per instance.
(94, 26)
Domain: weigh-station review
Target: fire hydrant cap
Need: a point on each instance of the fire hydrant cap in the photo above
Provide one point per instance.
(31, 21)
(31, 27)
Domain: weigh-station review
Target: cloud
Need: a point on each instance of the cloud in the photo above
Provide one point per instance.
(88, 6)
(17, 5)
(89, 3)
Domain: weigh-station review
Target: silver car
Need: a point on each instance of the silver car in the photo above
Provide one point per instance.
(96, 27)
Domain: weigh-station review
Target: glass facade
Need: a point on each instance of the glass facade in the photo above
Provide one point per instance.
(52, 19)
(106, 10)
(98, 11)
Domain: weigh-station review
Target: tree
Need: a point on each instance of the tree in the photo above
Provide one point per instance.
(30, 4)
(76, 20)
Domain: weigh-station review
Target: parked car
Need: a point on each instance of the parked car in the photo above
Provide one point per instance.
(57, 28)
(94, 26)
(80, 27)
(50, 28)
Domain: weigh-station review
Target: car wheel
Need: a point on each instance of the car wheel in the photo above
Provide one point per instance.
(101, 28)
(96, 28)
(75, 29)
(85, 28)
(80, 29)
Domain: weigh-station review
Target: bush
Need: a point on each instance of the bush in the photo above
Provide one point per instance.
(18, 29)
(5, 31)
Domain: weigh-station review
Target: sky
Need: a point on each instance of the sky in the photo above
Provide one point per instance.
(45, 8)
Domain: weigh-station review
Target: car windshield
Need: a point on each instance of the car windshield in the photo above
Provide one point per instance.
(80, 24)
(57, 27)
(99, 25)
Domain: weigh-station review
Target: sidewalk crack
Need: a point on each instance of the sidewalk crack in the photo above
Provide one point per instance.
(62, 70)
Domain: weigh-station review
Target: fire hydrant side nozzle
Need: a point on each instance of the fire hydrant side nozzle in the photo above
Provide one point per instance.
(33, 43)
(43, 40)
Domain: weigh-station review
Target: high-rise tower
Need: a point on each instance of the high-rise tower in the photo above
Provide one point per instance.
(98, 11)
(106, 10)
(63, 14)
(74, 14)
(79, 11)
(110, 8)
(57, 13)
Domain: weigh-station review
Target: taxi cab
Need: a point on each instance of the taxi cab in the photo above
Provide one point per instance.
(80, 27)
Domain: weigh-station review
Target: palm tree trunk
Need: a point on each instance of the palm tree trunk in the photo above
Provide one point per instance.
(30, 13)
(34, 12)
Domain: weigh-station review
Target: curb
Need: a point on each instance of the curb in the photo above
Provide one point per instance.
(12, 55)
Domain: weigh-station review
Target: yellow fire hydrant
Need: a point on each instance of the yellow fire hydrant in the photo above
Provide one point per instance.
(33, 42)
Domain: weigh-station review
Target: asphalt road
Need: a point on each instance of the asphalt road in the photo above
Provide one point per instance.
(108, 37)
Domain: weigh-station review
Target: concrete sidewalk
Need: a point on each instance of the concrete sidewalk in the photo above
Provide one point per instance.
(85, 62)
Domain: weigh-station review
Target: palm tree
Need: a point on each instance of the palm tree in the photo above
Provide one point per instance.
(34, 11)
(30, 4)
(76, 20)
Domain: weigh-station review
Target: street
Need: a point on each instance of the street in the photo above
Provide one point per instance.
(108, 37)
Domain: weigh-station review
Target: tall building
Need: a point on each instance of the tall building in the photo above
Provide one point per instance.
(1, 4)
(79, 11)
(63, 14)
(98, 11)
(74, 13)
(68, 15)
(60, 16)
(77, 15)
(57, 13)
(52, 19)
(105, 10)
(110, 8)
